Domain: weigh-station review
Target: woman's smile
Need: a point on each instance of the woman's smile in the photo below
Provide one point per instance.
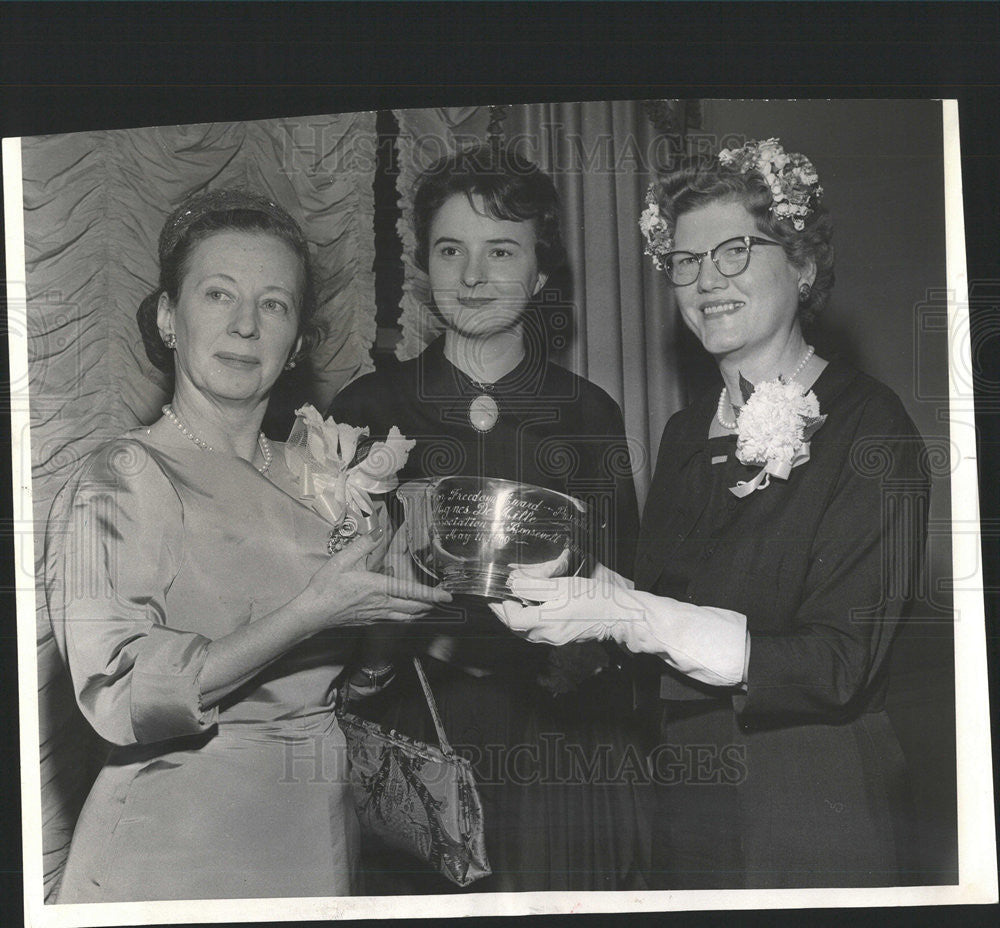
(721, 307)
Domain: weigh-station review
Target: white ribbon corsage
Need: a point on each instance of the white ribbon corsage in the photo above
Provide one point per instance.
(319, 453)
(774, 427)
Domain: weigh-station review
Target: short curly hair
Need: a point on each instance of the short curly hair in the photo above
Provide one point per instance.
(512, 188)
(200, 216)
(700, 181)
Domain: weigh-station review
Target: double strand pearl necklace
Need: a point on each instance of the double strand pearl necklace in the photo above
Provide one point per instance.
(262, 442)
(724, 395)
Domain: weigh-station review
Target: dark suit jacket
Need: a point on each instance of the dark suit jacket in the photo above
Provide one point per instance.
(823, 565)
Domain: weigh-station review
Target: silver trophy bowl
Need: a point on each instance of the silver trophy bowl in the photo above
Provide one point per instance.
(469, 533)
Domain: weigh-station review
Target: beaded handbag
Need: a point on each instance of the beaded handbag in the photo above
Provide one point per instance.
(415, 797)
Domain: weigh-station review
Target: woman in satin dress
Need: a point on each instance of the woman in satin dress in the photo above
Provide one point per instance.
(199, 614)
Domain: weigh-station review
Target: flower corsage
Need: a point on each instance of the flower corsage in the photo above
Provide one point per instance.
(320, 453)
(774, 427)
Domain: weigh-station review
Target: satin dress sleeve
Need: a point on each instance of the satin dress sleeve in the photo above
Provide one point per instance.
(155, 549)
(114, 546)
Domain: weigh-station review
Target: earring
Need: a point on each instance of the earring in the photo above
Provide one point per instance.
(290, 364)
(805, 291)
(170, 340)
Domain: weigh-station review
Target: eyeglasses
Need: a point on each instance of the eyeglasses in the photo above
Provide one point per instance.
(731, 257)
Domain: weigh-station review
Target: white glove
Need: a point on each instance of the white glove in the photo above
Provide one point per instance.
(572, 609)
(607, 575)
(706, 643)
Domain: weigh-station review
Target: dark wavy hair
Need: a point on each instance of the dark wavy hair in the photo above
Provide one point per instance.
(198, 218)
(512, 188)
(700, 181)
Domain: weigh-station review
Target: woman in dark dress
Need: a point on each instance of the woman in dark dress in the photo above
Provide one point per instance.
(779, 547)
(485, 400)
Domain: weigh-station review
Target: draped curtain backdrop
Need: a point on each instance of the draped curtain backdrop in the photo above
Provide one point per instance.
(602, 157)
(94, 204)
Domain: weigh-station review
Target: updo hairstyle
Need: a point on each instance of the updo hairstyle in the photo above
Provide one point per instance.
(198, 218)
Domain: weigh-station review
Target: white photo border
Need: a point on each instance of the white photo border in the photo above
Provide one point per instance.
(976, 833)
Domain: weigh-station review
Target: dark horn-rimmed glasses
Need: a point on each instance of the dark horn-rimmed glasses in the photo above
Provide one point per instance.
(731, 258)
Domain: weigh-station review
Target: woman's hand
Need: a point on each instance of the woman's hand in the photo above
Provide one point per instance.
(706, 643)
(570, 609)
(344, 591)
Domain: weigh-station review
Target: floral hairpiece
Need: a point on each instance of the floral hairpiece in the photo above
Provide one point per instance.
(659, 241)
(793, 180)
(794, 183)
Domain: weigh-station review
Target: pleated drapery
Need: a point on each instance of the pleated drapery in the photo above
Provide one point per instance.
(602, 157)
(94, 204)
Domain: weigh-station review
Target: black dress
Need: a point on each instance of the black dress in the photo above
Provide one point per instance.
(555, 772)
(800, 780)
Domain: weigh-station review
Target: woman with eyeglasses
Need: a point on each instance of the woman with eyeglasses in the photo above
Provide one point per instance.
(779, 548)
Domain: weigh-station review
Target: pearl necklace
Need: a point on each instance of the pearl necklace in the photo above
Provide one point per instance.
(724, 395)
(262, 442)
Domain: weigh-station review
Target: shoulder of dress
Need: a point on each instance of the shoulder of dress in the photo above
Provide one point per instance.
(868, 403)
(693, 420)
(122, 456)
(568, 383)
(128, 475)
(373, 388)
(124, 462)
(869, 434)
(359, 386)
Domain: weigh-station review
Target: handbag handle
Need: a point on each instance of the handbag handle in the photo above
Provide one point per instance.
(432, 705)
